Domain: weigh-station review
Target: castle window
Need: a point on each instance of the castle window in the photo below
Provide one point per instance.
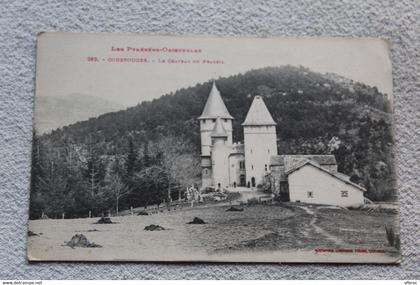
(344, 194)
(252, 167)
(268, 150)
(233, 165)
(310, 194)
(251, 150)
(242, 164)
(225, 120)
(214, 120)
(265, 167)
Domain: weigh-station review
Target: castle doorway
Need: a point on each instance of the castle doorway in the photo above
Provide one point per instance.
(253, 181)
(234, 184)
(242, 181)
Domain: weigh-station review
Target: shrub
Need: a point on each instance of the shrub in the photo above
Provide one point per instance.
(374, 209)
(252, 201)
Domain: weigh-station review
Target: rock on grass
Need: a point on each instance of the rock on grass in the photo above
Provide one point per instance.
(154, 228)
(31, 234)
(197, 221)
(235, 209)
(104, 220)
(80, 240)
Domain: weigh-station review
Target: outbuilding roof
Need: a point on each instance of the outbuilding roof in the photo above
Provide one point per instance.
(292, 159)
(340, 176)
(287, 162)
(258, 114)
(215, 107)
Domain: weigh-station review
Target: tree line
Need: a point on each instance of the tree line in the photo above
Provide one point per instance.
(82, 181)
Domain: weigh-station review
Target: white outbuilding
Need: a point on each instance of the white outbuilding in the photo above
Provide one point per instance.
(311, 183)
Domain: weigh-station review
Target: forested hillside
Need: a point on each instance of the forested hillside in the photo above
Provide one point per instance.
(315, 113)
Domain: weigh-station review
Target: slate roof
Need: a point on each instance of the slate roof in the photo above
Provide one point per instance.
(258, 114)
(215, 107)
(218, 130)
(340, 176)
(291, 160)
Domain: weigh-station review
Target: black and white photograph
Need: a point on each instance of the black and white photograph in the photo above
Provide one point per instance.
(213, 149)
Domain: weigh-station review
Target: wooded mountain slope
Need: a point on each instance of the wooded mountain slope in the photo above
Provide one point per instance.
(315, 113)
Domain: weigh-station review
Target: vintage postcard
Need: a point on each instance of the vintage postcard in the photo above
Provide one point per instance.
(213, 149)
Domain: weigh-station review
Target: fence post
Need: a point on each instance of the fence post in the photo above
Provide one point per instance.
(62, 216)
(90, 214)
(131, 209)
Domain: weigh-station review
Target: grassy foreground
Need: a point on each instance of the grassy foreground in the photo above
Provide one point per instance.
(261, 233)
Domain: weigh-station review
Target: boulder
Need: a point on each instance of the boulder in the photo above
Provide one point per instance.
(154, 228)
(196, 221)
(104, 220)
(31, 234)
(80, 240)
(235, 209)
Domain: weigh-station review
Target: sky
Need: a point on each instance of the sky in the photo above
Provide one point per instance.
(66, 62)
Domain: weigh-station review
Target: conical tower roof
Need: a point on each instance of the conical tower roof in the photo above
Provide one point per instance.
(218, 130)
(215, 107)
(258, 114)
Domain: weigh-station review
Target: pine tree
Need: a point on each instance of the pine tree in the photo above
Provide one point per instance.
(94, 174)
(146, 159)
(36, 202)
(130, 164)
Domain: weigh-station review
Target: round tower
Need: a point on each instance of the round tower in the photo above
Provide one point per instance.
(220, 151)
(214, 108)
(260, 141)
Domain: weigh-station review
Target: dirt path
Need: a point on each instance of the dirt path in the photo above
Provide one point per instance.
(320, 230)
